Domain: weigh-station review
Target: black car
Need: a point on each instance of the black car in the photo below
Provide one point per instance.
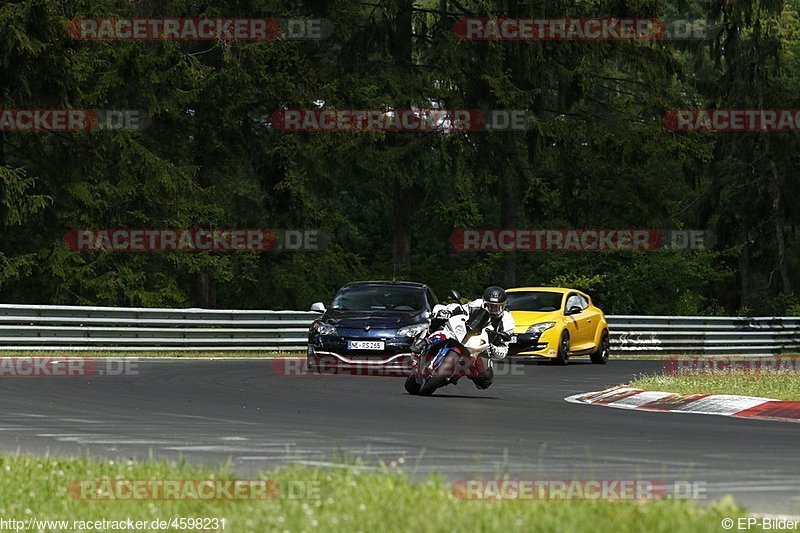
(370, 323)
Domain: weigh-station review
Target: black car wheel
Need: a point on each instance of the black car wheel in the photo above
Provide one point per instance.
(562, 357)
(600, 357)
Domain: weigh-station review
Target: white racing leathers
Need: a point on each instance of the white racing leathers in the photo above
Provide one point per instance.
(502, 324)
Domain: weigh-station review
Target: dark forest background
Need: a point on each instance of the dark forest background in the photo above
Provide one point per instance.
(598, 155)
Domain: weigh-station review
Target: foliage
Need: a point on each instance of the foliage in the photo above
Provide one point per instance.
(596, 155)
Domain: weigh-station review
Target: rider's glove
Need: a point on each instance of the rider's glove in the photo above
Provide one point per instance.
(419, 346)
(498, 352)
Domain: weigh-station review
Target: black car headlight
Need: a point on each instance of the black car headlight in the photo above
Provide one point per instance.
(324, 329)
(412, 331)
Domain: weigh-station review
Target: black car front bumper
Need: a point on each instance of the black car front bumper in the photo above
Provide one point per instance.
(332, 351)
(528, 344)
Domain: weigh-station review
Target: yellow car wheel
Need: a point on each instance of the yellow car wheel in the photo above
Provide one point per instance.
(562, 357)
(600, 357)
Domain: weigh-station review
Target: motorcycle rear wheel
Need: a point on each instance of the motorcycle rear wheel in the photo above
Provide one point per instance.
(412, 385)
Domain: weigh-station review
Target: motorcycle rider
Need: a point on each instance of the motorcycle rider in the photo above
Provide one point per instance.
(500, 329)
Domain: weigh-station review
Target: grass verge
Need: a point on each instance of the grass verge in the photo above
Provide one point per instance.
(777, 385)
(346, 499)
(655, 357)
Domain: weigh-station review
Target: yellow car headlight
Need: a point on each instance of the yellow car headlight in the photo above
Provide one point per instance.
(540, 328)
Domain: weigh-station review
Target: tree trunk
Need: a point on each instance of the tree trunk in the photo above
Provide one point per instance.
(774, 189)
(205, 291)
(509, 213)
(744, 264)
(403, 214)
(403, 197)
(777, 221)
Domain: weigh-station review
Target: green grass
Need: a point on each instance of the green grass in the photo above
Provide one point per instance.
(656, 357)
(349, 499)
(765, 384)
(154, 354)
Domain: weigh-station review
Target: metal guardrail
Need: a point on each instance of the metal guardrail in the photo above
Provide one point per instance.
(675, 335)
(57, 327)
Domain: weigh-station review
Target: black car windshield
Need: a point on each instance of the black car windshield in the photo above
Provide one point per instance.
(534, 301)
(379, 298)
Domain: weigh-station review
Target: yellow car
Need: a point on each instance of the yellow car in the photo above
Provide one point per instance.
(557, 323)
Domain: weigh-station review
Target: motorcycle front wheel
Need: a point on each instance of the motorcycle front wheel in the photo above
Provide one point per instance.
(441, 374)
(431, 385)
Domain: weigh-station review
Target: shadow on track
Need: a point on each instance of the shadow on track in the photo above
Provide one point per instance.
(436, 395)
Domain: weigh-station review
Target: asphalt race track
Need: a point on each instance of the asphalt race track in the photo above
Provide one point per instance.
(245, 412)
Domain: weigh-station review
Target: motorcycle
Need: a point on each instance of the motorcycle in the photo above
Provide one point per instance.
(450, 349)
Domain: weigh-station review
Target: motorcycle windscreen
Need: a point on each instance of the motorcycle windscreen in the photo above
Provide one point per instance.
(478, 319)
